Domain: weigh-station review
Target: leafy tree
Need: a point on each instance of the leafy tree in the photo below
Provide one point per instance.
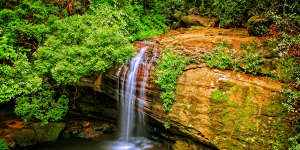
(45, 47)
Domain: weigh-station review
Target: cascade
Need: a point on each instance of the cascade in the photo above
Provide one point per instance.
(132, 121)
(132, 88)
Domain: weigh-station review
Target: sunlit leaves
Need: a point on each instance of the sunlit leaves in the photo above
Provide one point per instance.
(82, 44)
(18, 79)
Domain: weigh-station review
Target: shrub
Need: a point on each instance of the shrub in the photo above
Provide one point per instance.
(139, 22)
(170, 66)
(287, 70)
(18, 79)
(220, 57)
(230, 12)
(288, 23)
(223, 58)
(84, 44)
(291, 99)
(3, 144)
(295, 145)
(251, 62)
(42, 106)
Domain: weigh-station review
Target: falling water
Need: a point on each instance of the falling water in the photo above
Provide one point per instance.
(128, 97)
(132, 101)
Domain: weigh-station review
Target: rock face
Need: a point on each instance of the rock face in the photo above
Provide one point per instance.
(220, 109)
(230, 110)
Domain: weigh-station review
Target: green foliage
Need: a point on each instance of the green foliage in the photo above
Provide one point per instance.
(252, 62)
(83, 44)
(286, 22)
(221, 57)
(288, 42)
(170, 66)
(18, 79)
(219, 96)
(230, 12)
(3, 144)
(45, 47)
(287, 70)
(258, 25)
(287, 66)
(295, 145)
(291, 99)
(22, 29)
(284, 14)
(42, 106)
(138, 22)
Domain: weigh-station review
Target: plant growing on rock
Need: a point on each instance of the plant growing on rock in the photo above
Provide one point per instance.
(251, 62)
(221, 57)
(291, 99)
(219, 96)
(170, 66)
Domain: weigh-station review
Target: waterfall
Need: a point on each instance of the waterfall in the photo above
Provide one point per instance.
(133, 84)
(132, 121)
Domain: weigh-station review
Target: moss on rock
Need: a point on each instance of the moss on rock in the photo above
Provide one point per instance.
(49, 132)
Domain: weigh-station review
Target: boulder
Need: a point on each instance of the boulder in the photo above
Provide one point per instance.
(49, 132)
(258, 25)
(194, 20)
(24, 137)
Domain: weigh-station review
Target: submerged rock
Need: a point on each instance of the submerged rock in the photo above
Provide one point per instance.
(48, 132)
(24, 137)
